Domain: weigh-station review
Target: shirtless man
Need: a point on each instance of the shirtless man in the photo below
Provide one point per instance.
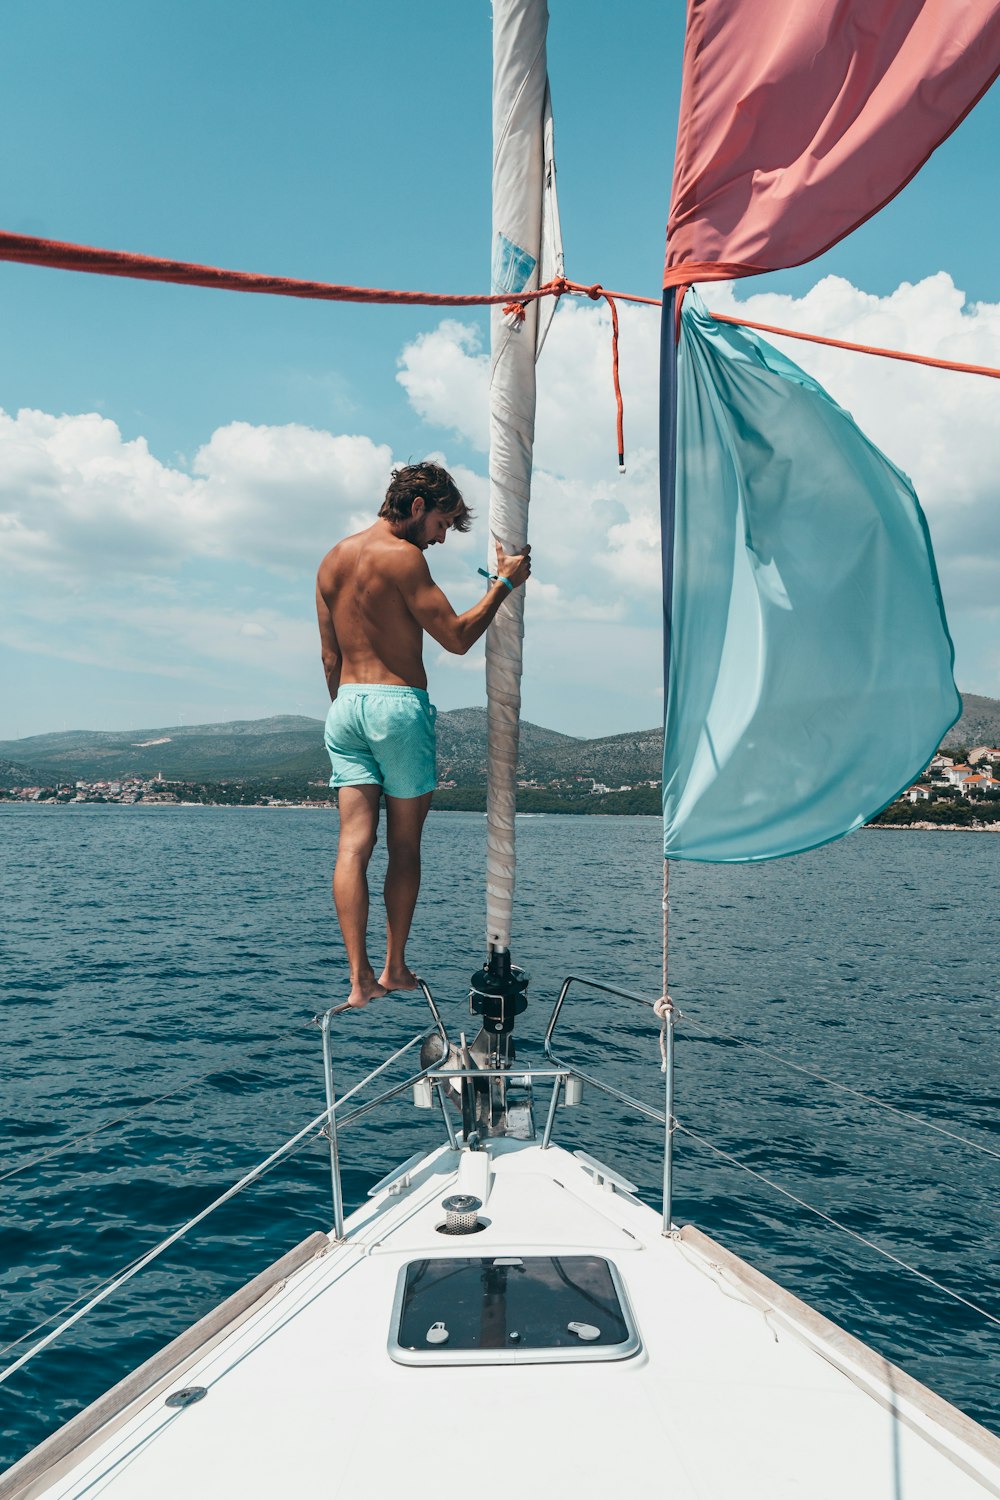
(375, 598)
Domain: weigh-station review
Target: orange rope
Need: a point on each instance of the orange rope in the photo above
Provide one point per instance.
(609, 299)
(29, 250)
(815, 338)
(558, 286)
(26, 249)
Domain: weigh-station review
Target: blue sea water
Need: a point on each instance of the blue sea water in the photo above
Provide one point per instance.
(150, 950)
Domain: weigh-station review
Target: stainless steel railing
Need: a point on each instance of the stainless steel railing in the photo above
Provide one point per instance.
(666, 1016)
(332, 1124)
(438, 1075)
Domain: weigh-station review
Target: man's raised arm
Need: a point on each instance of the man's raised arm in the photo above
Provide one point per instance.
(430, 607)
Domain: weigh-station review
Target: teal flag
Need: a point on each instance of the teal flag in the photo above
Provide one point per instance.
(810, 665)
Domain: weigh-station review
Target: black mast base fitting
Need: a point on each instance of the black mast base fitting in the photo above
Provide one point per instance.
(498, 993)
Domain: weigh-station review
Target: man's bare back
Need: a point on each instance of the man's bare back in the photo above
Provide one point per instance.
(359, 586)
(375, 597)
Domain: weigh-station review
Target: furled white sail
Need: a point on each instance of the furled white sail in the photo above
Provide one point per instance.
(527, 252)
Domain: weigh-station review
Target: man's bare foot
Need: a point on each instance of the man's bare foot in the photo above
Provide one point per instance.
(365, 988)
(398, 979)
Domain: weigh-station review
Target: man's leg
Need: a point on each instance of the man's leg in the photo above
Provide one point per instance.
(358, 831)
(404, 822)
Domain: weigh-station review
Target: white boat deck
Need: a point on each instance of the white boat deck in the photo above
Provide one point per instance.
(738, 1389)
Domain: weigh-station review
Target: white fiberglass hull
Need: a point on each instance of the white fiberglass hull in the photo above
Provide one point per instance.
(737, 1388)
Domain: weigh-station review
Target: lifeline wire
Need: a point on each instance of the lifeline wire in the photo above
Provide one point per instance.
(98, 1292)
(947, 1291)
(150, 1255)
(844, 1087)
(104, 1288)
(78, 1140)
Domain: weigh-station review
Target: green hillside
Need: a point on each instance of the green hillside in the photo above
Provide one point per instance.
(291, 747)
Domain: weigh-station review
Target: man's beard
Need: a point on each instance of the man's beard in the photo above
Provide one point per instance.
(414, 531)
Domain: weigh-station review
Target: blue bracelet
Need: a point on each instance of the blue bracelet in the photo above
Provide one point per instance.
(496, 578)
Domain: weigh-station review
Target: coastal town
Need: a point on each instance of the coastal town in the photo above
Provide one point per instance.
(957, 789)
(159, 791)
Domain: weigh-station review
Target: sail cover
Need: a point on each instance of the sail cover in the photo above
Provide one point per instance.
(811, 668)
(527, 251)
(798, 121)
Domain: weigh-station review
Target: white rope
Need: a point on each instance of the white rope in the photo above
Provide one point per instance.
(834, 1083)
(828, 1219)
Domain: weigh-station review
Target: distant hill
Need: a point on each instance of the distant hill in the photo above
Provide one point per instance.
(252, 747)
(292, 746)
(979, 724)
(289, 746)
(14, 774)
(462, 737)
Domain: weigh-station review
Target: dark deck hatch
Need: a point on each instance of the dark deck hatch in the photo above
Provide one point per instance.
(510, 1309)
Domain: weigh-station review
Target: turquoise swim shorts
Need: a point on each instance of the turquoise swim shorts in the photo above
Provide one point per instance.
(382, 735)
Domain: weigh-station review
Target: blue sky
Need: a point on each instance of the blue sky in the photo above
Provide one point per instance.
(193, 453)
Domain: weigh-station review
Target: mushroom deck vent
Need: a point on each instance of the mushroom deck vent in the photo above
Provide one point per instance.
(502, 1309)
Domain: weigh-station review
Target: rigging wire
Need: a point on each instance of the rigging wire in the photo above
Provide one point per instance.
(104, 1289)
(78, 1140)
(828, 1219)
(844, 1087)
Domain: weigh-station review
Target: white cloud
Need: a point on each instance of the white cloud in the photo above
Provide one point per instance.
(447, 380)
(595, 548)
(114, 558)
(590, 526)
(76, 496)
(474, 661)
(284, 494)
(938, 426)
(445, 374)
(170, 636)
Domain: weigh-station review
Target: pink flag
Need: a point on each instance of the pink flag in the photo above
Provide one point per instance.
(799, 119)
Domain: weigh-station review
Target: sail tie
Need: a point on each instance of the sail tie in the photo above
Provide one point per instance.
(559, 286)
(609, 299)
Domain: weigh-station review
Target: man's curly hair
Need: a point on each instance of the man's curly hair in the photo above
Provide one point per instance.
(435, 485)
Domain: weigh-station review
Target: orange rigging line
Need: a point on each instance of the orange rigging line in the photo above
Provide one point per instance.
(815, 338)
(28, 250)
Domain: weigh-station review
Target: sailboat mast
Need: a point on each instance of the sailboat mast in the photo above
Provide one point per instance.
(522, 187)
